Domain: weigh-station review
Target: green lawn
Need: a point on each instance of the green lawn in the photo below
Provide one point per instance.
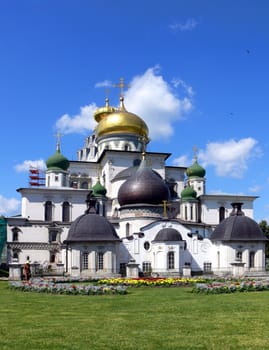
(146, 318)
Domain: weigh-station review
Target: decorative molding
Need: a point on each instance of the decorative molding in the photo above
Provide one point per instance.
(34, 245)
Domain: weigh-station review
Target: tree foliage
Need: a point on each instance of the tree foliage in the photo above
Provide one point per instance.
(265, 229)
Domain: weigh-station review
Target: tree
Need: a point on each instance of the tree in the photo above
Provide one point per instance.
(265, 229)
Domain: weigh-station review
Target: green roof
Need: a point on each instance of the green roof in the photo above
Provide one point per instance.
(188, 194)
(57, 162)
(195, 170)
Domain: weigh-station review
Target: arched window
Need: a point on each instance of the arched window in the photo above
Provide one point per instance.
(48, 211)
(126, 147)
(15, 234)
(66, 212)
(171, 260)
(221, 214)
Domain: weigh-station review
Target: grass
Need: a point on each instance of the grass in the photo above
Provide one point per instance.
(145, 319)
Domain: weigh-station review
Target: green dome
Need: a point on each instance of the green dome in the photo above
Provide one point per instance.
(99, 190)
(188, 193)
(195, 170)
(57, 161)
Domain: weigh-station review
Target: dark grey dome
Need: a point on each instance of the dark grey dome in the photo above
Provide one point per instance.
(144, 186)
(91, 227)
(168, 234)
(126, 173)
(238, 227)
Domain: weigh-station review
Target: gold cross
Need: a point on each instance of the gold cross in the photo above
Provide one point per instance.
(121, 86)
(58, 136)
(165, 205)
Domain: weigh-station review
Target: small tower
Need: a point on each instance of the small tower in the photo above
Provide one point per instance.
(99, 193)
(57, 166)
(118, 129)
(196, 176)
(189, 204)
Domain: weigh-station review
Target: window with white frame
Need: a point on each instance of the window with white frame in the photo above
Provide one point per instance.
(171, 260)
(15, 234)
(146, 266)
(100, 261)
(85, 261)
(207, 266)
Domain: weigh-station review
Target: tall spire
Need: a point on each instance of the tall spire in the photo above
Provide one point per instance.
(58, 136)
(195, 153)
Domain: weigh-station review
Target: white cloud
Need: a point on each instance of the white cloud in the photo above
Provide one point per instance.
(187, 88)
(8, 205)
(154, 100)
(182, 161)
(79, 123)
(188, 25)
(149, 96)
(27, 164)
(255, 188)
(105, 83)
(230, 158)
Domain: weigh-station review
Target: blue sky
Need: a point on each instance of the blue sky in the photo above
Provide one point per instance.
(197, 74)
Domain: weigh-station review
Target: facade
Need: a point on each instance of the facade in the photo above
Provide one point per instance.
(118, 210)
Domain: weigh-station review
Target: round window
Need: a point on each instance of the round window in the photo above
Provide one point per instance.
(146, 245)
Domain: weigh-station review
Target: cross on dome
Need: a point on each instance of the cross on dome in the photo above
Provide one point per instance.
(121, 86)
(58, 136)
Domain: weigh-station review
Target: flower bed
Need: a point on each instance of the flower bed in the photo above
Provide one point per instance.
(152, 282)
(231, 287)
(49, 286)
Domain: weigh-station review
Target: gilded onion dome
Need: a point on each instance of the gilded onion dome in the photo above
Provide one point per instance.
(102, 112)
(114, 121)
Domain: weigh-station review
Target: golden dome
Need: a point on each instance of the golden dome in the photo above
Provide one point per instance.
(102, 112)
(120, 121)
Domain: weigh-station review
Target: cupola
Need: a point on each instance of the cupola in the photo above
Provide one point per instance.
(195, 170)
(57, 161)
(188, 193)
(144, 186)
(99, 190)
(119, 121)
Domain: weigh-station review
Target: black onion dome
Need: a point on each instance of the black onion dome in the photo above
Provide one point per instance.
(143, 186)
(168, 234)
(91, 227)
(238, 227)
